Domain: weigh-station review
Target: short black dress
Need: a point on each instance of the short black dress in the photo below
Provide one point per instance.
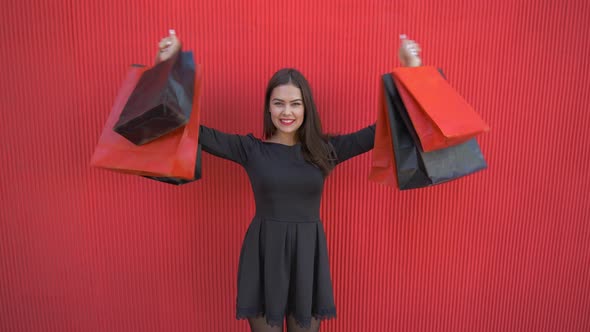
(283, 266)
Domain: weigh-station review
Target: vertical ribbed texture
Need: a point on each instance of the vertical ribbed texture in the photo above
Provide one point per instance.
(506, 249)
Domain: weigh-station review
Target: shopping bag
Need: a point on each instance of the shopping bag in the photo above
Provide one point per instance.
(415, 168)
(440, 116)
(179, 181)
(383, 169)
(172, 157)
(161, 101)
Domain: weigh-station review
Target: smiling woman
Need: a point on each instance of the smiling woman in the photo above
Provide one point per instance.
(283, 268)
(287, 113)
(290, 117)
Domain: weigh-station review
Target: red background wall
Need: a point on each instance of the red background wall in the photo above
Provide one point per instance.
(507, 249)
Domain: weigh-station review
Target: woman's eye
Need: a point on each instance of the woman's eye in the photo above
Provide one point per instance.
(296, 104)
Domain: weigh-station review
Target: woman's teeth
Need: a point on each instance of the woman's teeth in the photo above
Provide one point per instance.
(286, 122)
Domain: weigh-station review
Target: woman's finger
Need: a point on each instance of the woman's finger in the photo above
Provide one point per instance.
(410, 44)
(163, 43)
(412, 47)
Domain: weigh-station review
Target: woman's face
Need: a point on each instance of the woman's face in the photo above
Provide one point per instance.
(286, 109)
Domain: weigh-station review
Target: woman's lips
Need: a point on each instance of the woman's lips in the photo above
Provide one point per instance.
(287, 122)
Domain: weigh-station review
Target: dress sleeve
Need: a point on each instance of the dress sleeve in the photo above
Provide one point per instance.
(353, 144)
(227, 146)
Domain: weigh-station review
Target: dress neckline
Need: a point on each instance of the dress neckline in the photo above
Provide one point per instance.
(281, 144)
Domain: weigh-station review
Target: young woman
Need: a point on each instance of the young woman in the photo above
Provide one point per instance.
(283, 267)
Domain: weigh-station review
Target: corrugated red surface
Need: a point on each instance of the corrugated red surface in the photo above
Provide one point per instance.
(507, 249)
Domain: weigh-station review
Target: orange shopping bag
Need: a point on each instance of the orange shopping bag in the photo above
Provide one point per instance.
(441, 117)
(173, 155)
(383, 169)
(399, 161)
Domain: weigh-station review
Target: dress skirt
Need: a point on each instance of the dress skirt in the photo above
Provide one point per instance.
(284, 270)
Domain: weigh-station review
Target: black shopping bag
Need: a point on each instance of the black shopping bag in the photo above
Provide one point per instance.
(161, 101)
(416, 168)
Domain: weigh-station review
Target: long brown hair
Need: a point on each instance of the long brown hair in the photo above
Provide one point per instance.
(315, 145)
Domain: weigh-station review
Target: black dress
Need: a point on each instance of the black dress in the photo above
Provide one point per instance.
(283, 267)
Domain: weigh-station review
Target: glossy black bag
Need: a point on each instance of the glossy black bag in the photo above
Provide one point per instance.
(416, 168)
(161, 101)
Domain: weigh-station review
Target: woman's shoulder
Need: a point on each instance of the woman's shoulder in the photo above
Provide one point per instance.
(252, 139)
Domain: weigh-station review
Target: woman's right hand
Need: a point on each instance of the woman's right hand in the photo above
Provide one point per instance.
(168, 47)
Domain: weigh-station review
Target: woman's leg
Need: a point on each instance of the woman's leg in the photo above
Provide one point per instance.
(293, 327)
(259, 324)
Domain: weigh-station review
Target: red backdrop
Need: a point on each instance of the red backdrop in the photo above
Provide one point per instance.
(506, 249)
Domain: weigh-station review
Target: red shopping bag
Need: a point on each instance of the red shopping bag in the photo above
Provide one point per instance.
(172, 155)
(440, 116)
(383, 168)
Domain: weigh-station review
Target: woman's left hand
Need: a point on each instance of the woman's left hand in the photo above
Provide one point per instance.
(168, 47)
(409, 52)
